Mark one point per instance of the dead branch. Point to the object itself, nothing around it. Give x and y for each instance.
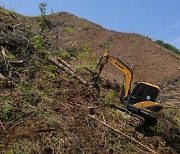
(6, 80)
(121, 133)
(16, 62)
(3, 127)
(88, 70)
(17, 25)
(12, 16)
(45, 36)
(2, 77)
(66, 64)
(68, 71)
(45, 130)
(3, 51)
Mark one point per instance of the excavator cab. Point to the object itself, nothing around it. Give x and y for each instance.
(142, 100)
(143, 92)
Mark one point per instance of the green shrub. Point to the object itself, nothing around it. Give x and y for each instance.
(51, 71)
(85, 59)
(69, 29)
(50, 75)
(6, 113)
(86, 27)
(109, 96)
(10, 56)
(39, 42)
(159, 130)
(52, 68)
(76, 52)
(4, 10)
(84, 48)
(64, 54)
(8, 151)
(42, 23)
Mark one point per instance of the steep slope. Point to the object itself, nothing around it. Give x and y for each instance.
(44, 110)
(149, 61)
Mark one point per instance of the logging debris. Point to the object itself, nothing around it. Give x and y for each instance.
(68, 69)
(121, 133)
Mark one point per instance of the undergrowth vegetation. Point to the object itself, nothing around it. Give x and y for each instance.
(39, 42)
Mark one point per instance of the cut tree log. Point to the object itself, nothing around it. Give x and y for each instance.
(121, 133)
(66, 64)
(68, 71)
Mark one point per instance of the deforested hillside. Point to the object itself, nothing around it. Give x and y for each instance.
(149, 61)
(45, 108)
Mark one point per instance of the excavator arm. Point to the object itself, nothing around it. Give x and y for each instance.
(107, 57)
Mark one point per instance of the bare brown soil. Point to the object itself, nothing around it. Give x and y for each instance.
(149, 61)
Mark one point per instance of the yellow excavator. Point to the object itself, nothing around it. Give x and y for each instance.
(140, 101)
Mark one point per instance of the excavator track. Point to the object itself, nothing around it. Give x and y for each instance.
(135, 120)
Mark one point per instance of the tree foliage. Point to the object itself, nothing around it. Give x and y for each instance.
(41, 19)
(42, 8)
(39, 42)
(168, 46)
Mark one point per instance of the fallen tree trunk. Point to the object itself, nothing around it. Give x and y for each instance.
(67, 70)
(66, 64)
(121, 133)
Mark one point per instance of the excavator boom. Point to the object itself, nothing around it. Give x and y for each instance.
(127, 72)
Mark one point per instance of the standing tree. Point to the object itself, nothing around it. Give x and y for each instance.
(42, 8)
(42, 23)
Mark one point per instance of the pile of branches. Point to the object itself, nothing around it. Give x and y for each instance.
(15, 44)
